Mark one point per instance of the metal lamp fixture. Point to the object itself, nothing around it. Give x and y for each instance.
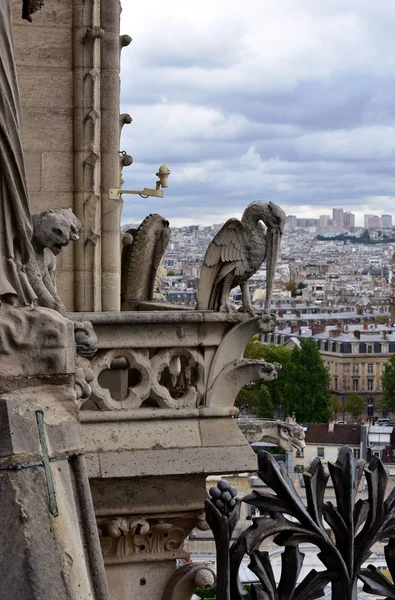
(163, 175)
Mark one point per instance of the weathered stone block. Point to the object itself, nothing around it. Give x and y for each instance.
(49, 88)
(40, 201)
(18, 421)
(142, 495)
(173, 462)
(220, 432)
(57, 172)
(33, 342)
(32, 568)
(127, 435)
(47, 130)
(143, 581)
(43, 46)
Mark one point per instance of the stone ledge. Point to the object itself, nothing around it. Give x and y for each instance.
(149, 463)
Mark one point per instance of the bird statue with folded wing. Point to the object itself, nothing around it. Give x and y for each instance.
(236, 252)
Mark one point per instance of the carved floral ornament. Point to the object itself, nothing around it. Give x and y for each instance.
(356, 526)
(124, 538)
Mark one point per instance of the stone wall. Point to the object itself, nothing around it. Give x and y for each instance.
(44, 55)
(68, 67)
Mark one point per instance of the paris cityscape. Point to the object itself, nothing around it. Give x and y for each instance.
(197, 300)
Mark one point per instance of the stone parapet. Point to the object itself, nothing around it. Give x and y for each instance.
(159, 421)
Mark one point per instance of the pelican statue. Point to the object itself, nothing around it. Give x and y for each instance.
(236, 252)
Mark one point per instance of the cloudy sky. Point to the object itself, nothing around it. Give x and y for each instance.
(285, 100)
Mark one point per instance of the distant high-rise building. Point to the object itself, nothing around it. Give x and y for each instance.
(386, 221)
(372, 222)
(324, 221)
(291, 220)
(349, 219)
(338, 217)
(310, 222)
(301, 222)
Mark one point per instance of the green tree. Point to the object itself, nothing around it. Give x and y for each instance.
(308, 384)
(170, 273)
(248, 398)
(388, 385)
(292, 287)
(355, 404)
(265, 405)
(273, 354)
(336, 405)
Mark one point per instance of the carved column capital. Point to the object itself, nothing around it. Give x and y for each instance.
(134, 538)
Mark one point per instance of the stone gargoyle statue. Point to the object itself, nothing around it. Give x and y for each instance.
(142, 258)
(286, 435)
(236, 252)
(52, 230)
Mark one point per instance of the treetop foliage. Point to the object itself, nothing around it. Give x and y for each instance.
(388, 385)
(302, 386)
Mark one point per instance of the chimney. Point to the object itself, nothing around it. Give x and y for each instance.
(365, 325)
(331, 426)
(384, 334)
(334, 333)
(357, 334)
(317, 328)
(294, 328)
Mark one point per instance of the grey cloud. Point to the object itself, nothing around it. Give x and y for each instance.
(293, 102)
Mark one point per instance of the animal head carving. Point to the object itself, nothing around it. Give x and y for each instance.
(292, 435)
(286, 435)
(55, 228)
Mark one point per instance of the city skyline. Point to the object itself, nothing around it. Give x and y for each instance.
(341, 218)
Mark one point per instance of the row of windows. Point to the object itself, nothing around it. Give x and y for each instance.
(355, 384)
(355, 367)
(321, 452)
(336, 347)
(332, 346)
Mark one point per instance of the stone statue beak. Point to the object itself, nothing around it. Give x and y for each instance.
(273, 241)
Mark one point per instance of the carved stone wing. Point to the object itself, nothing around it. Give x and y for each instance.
(229, 245)
(227, 253)
(141, 259)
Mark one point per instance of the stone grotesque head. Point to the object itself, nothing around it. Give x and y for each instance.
(291, 435)
(55, 229)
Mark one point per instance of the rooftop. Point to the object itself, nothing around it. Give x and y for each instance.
(319, 433)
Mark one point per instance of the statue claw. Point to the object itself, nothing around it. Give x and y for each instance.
(249, 310)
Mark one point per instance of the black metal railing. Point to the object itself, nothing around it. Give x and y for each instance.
(354, 527)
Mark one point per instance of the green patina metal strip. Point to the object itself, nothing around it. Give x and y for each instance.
(53, 507)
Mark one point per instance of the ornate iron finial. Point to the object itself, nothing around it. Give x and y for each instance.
(222, 514)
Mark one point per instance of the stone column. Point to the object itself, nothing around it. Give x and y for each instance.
(87, 40)
(110, 164)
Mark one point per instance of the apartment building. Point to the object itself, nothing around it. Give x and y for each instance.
(354, 355)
